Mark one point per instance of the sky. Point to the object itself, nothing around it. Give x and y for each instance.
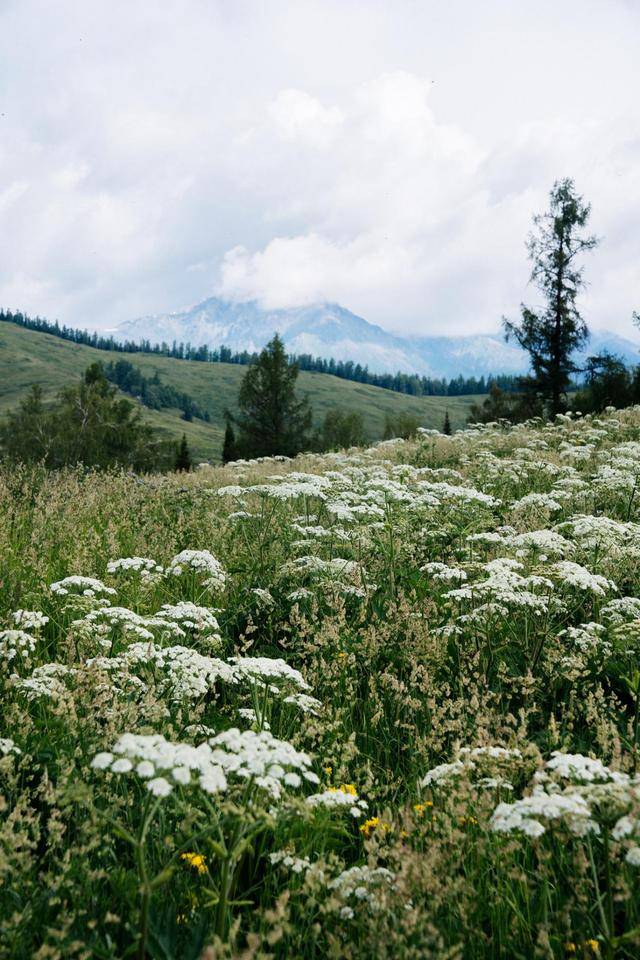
(384, 154)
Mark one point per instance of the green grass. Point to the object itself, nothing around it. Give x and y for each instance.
(28, 357)
(454, 635)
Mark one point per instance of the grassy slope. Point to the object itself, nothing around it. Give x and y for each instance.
(28, 357)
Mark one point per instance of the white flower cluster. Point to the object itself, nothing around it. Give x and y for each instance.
(476, 762)
(504, 585)
(361, 885)
(16, 644)
(298, 865)
(577, 768)
(200, 562)
(85, 586)
(305, 703)
(531, 814)
(189, 674)
(44, 681)
(268, 670)
(148, 569)
(338, 797)
(29, 619)
(546, 542)
(443, 572)
(233, 755)
(536, 503)
(569, 790)
(8, 747)
(200, 620)
(579, 578)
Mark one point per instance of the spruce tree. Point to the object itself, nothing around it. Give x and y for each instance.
(183, 462)
(272, 420)
(552, 334)
(446, 427)
(229, 451)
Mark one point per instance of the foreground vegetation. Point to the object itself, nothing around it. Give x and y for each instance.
(381, 703)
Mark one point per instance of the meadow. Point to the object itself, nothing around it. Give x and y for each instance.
(28, 357)
(382, 703)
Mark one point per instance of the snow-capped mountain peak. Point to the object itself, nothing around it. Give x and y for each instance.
(329, 330)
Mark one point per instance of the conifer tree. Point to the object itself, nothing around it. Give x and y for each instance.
(229, 450)
(272, 420)
(183, 462)
(446, 427)
(552, 334)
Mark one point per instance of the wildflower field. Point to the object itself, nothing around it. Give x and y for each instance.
(378, 704)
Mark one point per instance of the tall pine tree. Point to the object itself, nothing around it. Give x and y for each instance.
(551, 335)
(183, 462)
(272, 420)
(229, 449)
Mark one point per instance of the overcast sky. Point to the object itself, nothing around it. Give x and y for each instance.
(386, 154)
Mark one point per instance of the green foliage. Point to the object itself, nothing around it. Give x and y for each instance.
(229, 447)
(608, 382)
(151, 391)
(514, 407)
(551, 335)
(272, 419)
(341, 429)
(28, 357)
(406, 383)
(404, 425)
(446, 629)
(87, 424)
(183, 456)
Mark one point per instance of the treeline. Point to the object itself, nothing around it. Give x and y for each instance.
(408, 383)
(151, 391)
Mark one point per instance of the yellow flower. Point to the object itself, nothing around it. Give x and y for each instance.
(349, 788)
(593, 945)
(346, 788)
(195, 860)
(464, 821)
(369, 826)
(570, 947)
(372, 824)
(341, 654)
(420, 808)
(328, 771)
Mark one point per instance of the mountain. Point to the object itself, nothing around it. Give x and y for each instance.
(329, 330)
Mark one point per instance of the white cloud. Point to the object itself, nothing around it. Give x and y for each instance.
(388, 156)
(298, 116)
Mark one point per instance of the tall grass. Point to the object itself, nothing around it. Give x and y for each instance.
(385, 705)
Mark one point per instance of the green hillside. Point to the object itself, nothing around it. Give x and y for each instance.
(28, 357)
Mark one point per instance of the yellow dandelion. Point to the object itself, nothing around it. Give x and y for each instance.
(195, 860)
(369, 826)
(593, 945)
(349, 788)
(328, 771)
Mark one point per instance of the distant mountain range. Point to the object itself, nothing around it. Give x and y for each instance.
(329, 330)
